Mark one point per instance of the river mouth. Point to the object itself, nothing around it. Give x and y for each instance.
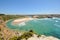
(43, 26)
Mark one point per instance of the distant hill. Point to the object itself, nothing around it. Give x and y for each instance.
(2, 14)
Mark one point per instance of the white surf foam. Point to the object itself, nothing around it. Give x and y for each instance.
(22, 24)
(43, 19)
(56, 21)
(55, 18)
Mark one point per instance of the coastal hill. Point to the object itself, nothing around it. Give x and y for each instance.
(36, 15)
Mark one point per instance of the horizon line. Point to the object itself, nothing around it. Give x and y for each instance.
(31, 14)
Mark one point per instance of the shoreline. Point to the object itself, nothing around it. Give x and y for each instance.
(18, 31)
(17, 21)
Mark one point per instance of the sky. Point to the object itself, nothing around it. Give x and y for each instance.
(30, 6)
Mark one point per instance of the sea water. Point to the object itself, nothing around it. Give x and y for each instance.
(44, 26)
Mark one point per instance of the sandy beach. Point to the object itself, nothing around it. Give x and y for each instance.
(17, 21)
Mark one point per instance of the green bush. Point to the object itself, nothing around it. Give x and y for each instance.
(26, 35)
(14, 38)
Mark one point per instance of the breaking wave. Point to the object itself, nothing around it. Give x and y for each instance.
(57, 21)
(22, 24)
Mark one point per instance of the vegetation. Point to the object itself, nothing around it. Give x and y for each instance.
(0, 29)
(1, 37)
(2, 14)
(7, 17)
(13, 38)
(26, 35)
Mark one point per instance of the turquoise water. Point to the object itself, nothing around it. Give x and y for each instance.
(45, 26)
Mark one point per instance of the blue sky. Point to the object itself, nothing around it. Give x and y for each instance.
(30, 6)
